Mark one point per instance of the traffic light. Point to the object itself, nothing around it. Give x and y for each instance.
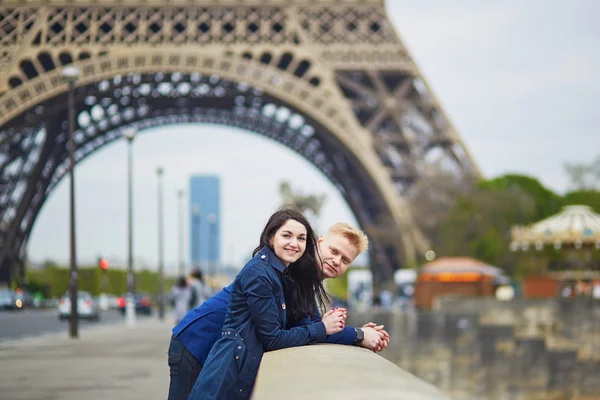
(103, 264)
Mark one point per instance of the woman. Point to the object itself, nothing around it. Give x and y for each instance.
(286, 258)
(180, 298)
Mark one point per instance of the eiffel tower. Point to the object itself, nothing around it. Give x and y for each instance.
(330, 79)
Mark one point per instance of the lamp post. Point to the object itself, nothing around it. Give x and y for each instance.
(129, 134)
(197, 220)
(180, 207)
(161, 261)
(70, 74)
(212, 221)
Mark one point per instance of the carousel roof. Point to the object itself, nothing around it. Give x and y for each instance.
(575, 225)
(460, 264)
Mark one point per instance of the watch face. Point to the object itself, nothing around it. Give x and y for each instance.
(360, 334)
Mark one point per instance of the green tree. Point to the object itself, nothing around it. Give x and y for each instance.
(546, 201)
(584, 197)
(479, 224)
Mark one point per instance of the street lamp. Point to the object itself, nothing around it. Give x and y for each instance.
(180, 209)
(197, 220)
(212, 221)
(161, 262)
(129, 134)
(70, 74)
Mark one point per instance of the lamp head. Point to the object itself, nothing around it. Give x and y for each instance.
(196, 209)
(129, 133)
(70, 73)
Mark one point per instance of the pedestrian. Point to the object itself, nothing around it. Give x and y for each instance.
(199, 289)
(180, 299)
(195, 335)
(257, 312)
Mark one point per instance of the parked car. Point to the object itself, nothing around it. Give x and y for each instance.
(27, 300)
(87, 308)
(9, 300)
(108, 301)
(143, 304)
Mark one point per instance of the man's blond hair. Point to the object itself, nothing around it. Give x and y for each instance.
(356, 237)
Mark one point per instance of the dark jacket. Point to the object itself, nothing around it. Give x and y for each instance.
(255, 319)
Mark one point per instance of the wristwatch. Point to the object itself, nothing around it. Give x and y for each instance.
(360, 336)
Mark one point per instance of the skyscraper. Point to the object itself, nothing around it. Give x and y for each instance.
(205, 220)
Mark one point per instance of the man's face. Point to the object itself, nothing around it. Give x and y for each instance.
(337, 253)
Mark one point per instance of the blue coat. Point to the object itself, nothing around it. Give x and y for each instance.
(201, 327)
(255, 321)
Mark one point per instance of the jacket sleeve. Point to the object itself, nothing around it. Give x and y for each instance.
(264, 312)
(345, 336)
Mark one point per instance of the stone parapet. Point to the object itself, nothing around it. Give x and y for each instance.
(337, 372)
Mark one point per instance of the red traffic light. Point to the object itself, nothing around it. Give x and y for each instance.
(104, 264)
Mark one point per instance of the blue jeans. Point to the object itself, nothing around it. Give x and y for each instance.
(184, 370)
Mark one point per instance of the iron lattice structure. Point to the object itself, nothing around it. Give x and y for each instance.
(330, 79)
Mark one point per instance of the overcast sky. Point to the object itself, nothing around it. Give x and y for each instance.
(519, 80)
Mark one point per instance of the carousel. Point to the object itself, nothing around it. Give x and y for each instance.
(573, 238)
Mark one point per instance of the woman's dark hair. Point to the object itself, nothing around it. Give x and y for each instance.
(309, 292)
(181, 282)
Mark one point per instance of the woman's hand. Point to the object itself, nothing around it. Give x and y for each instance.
(334, 321)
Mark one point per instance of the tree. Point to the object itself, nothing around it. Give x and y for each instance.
(434, 196)
(303, 203)
(584, 197)
(479, 223)
(545, 200)
(584, 176)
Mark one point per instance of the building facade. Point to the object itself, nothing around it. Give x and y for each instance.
(205, 222)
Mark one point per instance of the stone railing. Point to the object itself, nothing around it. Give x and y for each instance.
(336, 372)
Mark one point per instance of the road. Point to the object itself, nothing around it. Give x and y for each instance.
(28, 323)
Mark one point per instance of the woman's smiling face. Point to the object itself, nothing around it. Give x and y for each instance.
(289, 242)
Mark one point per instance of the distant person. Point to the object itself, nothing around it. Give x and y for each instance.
(386, 298)
(181, 295)
(596, 291)
(200, 292)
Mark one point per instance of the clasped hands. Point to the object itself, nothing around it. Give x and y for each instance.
(375, 337)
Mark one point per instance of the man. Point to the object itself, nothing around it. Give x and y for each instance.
(194, 336)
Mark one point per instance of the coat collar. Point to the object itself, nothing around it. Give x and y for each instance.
(267, 254)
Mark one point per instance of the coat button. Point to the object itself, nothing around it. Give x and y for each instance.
(239, 347)
(263, 257)
(236, 357)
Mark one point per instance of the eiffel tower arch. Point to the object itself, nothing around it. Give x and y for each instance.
(329, 79)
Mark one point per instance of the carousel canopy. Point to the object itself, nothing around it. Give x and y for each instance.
(457, 268)
(574, 225)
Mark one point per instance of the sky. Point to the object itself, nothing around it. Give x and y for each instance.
(518, 80)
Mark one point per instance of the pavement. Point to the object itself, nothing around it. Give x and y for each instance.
(116, 361)
(106, 362)
(34, 322)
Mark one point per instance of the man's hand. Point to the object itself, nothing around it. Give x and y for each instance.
(373, 339)
(385, 337)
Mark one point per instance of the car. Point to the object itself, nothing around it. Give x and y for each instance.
(9, 300)
(143, 303)
(27, 300)
(87, 308)
(108, 301)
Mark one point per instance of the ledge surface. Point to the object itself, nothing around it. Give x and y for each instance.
(336, 372)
